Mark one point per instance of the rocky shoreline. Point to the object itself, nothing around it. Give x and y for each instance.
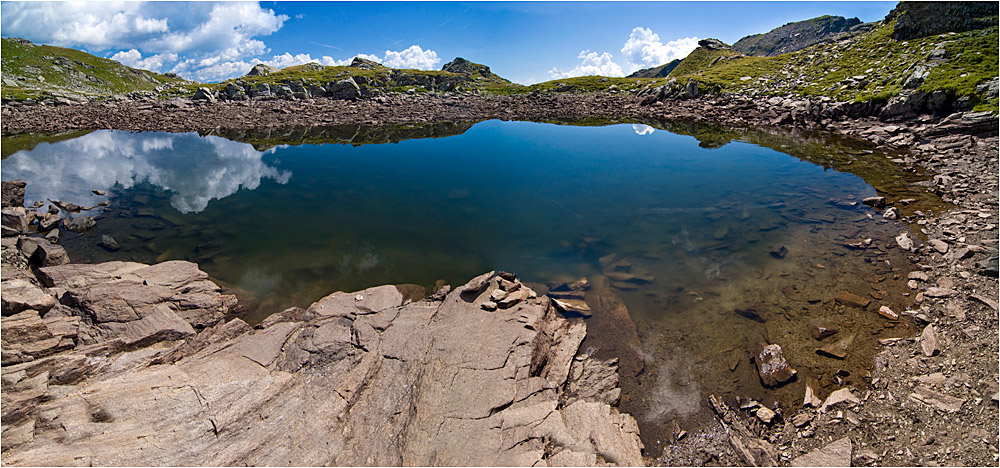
(933, 398)
(102, 365)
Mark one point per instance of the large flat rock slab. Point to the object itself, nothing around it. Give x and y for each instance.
(362, 378)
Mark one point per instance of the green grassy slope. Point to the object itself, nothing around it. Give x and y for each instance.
(28, 71)
(869, 66)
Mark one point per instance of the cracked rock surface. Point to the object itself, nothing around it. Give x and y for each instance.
(364, 378)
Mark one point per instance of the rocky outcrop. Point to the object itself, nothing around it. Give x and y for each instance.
(363, 378)
(796, 36)
(364, 64)
(921, 19)
(656, 72)
(261, 70)
(13, 193)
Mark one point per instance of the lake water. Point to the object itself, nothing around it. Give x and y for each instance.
(283, 221)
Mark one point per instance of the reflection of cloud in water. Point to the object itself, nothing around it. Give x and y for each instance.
(195, 169)
(641, 129)
(360, 262)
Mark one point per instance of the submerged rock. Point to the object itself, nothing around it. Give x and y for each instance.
(772, 367)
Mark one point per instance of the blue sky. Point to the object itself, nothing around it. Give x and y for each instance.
(523, 41)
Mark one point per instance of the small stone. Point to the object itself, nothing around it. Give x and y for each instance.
(929, 343)
(573, 306)
(489, 305)
(801, 419)
(939, 245)
(772, 367)
(842, 395)
(477, 284)
(891, 214)
(874, 202)
(765, 414)
(938, 292)
(497, 295)
(109, 243)
(904, 242)
(49, 222)
(917, 275)
(820, 331)
(98, 192)
(839, 348)
(836, 454)
(779, 251)
(888, 313)
(513, 298)
(811, 399)
(851, 300)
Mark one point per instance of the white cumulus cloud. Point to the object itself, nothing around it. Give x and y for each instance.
(591, 63)
(644, 49)
(641, 129)
(133, 58)
(412, 57)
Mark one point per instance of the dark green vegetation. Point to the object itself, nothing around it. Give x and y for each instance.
(33, 71)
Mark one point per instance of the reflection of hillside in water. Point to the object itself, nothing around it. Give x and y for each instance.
(69, 170)
(356, 135)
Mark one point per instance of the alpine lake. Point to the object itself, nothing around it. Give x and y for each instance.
(699, 243)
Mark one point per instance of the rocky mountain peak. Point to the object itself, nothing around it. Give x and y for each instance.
(713, 44)
(364, 64)
(261, 70)
(465, 67)
(796, 36)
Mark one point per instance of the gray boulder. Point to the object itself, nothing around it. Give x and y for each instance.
(364, 64)
(261, 70)
(346, 89)
(12, 193)
(204, 94)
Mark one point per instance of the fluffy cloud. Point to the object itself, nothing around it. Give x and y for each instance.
(644, 49)
(133, 58)
(591, 63)
(205, 41)
(412, 57)
(641, 129)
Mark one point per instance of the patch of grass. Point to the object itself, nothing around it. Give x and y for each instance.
(870, 66)
(28, 141)
(31, 70)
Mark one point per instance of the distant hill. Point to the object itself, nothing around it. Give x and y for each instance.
(795, 36)
(472, 69)
(656, 72)
(29, 70)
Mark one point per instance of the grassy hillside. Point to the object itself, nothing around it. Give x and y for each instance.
(869, 66)
(30, 71)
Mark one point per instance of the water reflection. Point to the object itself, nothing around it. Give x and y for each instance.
(641, 129)
(193, 169)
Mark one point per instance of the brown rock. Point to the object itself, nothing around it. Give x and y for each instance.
(929, 343)
(12, 193)
(772, 367)
(839, 348)
(835, 454)
(851, 300)
(20, 294)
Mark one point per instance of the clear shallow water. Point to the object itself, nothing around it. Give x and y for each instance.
(287, 225)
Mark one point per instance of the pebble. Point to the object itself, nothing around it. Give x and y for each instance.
(929, 343)
(765, 414)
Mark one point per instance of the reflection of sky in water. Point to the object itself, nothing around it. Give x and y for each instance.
(194, 169)
(641, 129)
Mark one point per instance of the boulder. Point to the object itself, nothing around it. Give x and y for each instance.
(204, 94)
(47, 254)
(261, 70)
(12, 193)
(851, 300)
(79, 224)
(364, 64)
(19, 295)
(15, 219)
(346, 89)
